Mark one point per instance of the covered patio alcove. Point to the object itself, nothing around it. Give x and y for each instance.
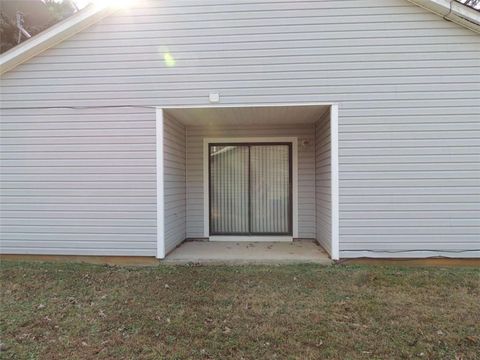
(247, 182)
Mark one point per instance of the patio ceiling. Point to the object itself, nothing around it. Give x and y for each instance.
(249, 116)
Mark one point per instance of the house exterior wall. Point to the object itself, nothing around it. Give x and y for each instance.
(306, 173)
(78, 182)
(174, 179)
(405, 81)
(323, 187)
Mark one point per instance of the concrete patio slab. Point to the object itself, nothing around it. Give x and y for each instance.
(230, 252)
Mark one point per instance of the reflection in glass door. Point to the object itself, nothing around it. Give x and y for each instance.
(250, 189)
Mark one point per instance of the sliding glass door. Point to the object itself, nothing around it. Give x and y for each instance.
(250, 189)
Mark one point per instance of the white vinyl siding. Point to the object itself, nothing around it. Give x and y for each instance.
(411, 188)
(174, 160)
(78, 182)
(406, 82)
(306, 173)
(323, 190)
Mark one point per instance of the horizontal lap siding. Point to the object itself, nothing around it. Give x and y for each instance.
(306, 173)
(174, 177)
(410, 185)
(64, 190)
(406, 82)
(323, 188)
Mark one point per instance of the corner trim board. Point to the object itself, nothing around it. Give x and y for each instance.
(160, 191)
(335, 187)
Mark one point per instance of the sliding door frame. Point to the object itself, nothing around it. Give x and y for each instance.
(289, 231)
(292, 141)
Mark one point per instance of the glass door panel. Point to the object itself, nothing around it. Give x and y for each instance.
(270, 189)
(229, 190)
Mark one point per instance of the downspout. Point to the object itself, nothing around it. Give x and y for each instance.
(445, 17)
(451, 10)
(458, 16)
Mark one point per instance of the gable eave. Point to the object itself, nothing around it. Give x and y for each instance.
(52, 36)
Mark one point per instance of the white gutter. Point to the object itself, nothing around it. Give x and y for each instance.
(52, 36)
(453, 11)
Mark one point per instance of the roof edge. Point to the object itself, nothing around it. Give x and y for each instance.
(52, 36)
(453, 11)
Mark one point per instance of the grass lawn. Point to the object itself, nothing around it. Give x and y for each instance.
(76, 311)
